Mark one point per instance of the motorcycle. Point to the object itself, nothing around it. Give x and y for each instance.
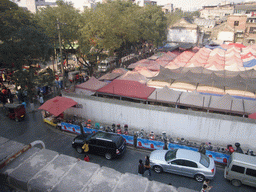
(118, 129)
(126, 129)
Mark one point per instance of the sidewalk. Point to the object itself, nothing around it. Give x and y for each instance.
(46, 170)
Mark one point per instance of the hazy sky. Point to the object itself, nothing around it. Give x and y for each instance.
(184, 4)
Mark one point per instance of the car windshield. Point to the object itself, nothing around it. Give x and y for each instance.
(205, 161)
(170, 155)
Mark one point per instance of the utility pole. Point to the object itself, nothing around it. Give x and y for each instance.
(61, 57)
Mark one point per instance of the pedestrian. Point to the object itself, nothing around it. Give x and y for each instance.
(41, 99)
(147, 165)
(204, 188)
(86, 158)
(202, 149)
(207, 182)
(86, 147)
(10, 96)
(140, 168)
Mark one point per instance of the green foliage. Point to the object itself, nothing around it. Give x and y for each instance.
(45, 78)
(22, 40)
(115, 26)
(26, 80)
(178, 14)
(153, 25)
(68, 19)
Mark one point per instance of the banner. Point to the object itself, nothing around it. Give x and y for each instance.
(70, 128)
(149, 144)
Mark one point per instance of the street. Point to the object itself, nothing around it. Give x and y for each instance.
(33, 128)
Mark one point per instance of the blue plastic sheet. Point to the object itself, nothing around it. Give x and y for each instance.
(250, 63)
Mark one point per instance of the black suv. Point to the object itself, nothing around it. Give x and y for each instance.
(108, 144)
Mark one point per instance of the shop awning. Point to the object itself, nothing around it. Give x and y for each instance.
(57, 105)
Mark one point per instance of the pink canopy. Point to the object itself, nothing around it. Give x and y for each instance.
(125, 88)
(92, 84)
(57, 105)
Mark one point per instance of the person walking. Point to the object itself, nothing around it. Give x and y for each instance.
(41, 99)
(140, 168)
(147, 165)
(86, 147)
(204, 188)
(202, 148)
(207, 182)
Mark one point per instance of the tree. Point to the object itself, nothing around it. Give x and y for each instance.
(153, 25)
(116, 26)
(178, 14)
(22, 40)
(68, 19)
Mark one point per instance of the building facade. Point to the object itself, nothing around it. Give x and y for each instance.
(184, 31)
(33, 5)
(218, 12)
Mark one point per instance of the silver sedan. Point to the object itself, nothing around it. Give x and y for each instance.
(183, 162)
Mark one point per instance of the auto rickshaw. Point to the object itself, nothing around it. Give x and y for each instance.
(15, 111)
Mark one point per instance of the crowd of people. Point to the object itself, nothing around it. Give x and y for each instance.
(5, 94)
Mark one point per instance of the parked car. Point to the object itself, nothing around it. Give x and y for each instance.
(241, 169)
(183, 162)
(109, 145)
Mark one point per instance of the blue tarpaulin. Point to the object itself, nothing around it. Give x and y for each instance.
(214, 47)
(250, 63)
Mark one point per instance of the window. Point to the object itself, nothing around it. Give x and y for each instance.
(205, 161)
(178, 162)
(251, 172)
(237, 169)
(252, 30)
(251, 41)
(190, 164)
(170, 155)
(236, 23)
(101, 143)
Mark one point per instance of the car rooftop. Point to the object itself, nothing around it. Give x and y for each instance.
(188, 154)
(245, 159)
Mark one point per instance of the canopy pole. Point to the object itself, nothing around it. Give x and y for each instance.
(209, 104)
(243, 107)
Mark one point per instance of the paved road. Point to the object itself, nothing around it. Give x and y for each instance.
(33, 128)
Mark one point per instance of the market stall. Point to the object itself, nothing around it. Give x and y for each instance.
(54, 108)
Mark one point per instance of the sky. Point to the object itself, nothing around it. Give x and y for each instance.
(186, 5)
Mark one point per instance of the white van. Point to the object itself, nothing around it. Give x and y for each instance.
(107, 64)
(241, 169)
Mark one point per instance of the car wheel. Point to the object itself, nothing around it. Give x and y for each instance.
(236, 183)
(199, 178)
(108, 156)
(79, 149)
(158, 169)
(16, 119)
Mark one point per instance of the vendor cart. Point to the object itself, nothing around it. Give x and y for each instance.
(15, 111)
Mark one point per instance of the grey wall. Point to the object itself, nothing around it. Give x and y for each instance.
(197, 126)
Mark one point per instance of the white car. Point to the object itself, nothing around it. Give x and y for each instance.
(183, 162)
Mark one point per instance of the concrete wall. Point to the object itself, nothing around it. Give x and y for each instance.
(182, 35)
(198, 126)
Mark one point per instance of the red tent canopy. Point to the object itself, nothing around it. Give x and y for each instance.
(252, 116)
(57, 105)
(127, 88)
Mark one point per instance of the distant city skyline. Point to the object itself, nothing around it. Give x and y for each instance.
(187, 5)
(192, 5)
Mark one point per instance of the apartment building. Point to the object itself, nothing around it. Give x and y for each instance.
(33, 5)
(217, 12)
